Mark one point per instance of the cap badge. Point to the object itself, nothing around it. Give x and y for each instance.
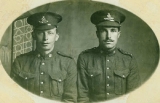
(43, 20)
(109, 17)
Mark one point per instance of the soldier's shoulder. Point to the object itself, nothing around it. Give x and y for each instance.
(125, 52)
(25, 55)
(89, 50)
(64, 55)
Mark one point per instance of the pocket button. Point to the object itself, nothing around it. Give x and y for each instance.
(59, 80)
(50, 55)
(108, 77)
(26, 78)
(43, 63)
(41, 91)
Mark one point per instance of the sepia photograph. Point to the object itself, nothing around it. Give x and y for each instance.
(79, 51)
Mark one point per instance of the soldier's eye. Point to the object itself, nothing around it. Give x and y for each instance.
(113, 30)
(50, 32)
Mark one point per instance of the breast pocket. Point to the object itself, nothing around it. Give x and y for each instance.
(27, 80)
(57, 83)
(94, 79)
(120, 80)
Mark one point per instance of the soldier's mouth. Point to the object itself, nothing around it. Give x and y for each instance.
(45, 43)
(108, 41)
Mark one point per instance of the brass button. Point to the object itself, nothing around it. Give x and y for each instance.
(41, 91)
(38, 55)
(107, 85)
(107, 60)
(41, 82)
(59, 80)
(91, 75)
(107, 68)
(107, 93)
(43, 63)
(50, 55)
(108, 77)
(123, 76)
(42, 73)
(26, 78)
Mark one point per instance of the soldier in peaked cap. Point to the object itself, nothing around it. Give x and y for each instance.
(106, 71)
(45, 71)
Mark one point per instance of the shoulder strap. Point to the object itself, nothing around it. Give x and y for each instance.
(124, 52)
(64, 55)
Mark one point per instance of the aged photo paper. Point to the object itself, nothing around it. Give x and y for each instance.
(10, 92)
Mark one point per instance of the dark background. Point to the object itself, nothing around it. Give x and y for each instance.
(77, 33)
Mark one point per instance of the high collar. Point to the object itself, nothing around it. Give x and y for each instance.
(49, 55)
(108, 53)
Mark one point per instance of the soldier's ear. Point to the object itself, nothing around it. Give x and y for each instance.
(57, 34)
(119, 33)
(57, 37)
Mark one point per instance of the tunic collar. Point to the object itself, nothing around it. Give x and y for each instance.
(49, 55)
(108, 53)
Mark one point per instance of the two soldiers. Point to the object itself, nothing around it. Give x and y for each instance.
(104, 72)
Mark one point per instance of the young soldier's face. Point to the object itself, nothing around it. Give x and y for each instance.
(108, 37)
(45, 39)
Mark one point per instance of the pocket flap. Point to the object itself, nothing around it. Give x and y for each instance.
(122, 73)
(26, 75)
(93, 73)
(58, 76)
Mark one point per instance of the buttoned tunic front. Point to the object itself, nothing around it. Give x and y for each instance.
(103, 76)
(51, 76)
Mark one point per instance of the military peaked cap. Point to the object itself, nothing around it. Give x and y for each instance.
(44, 20)
(107, 18)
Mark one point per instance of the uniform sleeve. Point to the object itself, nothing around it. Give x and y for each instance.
(70, 85)
(133, 80)
(83, 90)
(15, 71)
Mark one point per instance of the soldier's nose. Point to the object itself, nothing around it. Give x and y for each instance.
(45, 36)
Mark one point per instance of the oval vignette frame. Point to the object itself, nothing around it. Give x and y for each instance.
(136, 36)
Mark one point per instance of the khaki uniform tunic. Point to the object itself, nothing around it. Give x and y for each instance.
(51, 76)
(103, 76)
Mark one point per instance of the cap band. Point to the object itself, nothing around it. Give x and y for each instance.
(107, 18)
(44, 20)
